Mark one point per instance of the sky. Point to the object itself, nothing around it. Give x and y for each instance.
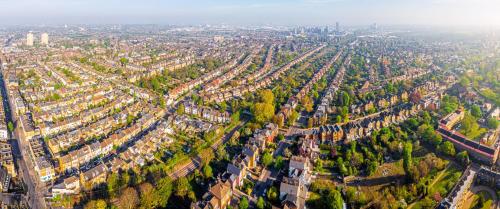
(252, 12)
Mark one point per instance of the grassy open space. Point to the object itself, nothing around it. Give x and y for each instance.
(441, 183)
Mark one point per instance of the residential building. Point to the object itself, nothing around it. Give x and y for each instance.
(29, 39)
(44, 39)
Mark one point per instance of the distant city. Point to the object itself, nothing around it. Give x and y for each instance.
(219, 116)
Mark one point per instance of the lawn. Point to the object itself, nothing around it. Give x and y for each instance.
(442, 182)
(388, 169)
(446, 181)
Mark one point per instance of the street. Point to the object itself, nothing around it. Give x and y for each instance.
(34, 194)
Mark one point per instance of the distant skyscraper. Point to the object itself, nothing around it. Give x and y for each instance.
(29, 39)
(337, 26)
(44, 39)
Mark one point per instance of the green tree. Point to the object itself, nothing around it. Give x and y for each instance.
(464, 81)
(182, 187)
(113, 184)
(345, 99)
(476, 111)
(96, 204)
(10, 126)
(448, 148)
(243, 203)
(272, 194)
(147, 194)
(492, 123)
(470, 127)
(223, 106)
(372, 167)
(436, 139)
(342, 168)
(463, 157)
(180, 109)
(263, 112)
(261, 203)
(267, 159)
(266, 96)
(278, 163)
(161, 194)
(333, 200)
(161, 102)
(207, 171)
(307, 103)
(124, 61)
(130, 119)
(125, 179)
(293, 117)
(407, 159)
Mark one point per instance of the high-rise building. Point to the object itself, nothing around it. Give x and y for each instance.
(44, 39)
(29, 39)
(337, 26)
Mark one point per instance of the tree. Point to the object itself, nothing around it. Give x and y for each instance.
(161, 102)
(464, 81)
(470, 127)
(476, 111)
(310, 122)
(338, 119)
(447, 148)
(161, 194)
(223, 106)
(243, 203)
(492, 123)
(10, 126)
(463, 157)
(221, 152)
(342, 168)
(129, 198)
(293, 117)
(278, 163)
(123, 61)
(182, 187)
(372, 167)
(333, 199)
(261, 203)
(96, 204)
(307, 103)
(130, 119)
(267, 159)
(266, 96)
(207, 171)
(436, 139)
(407, 159)
(345, 99)
(147, 193)
(113, 184)
(181, 109)
(272, 194)
(263, 112)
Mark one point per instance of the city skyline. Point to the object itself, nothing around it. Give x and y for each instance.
(279, 12)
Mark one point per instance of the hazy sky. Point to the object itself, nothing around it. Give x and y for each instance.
(252, 12)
